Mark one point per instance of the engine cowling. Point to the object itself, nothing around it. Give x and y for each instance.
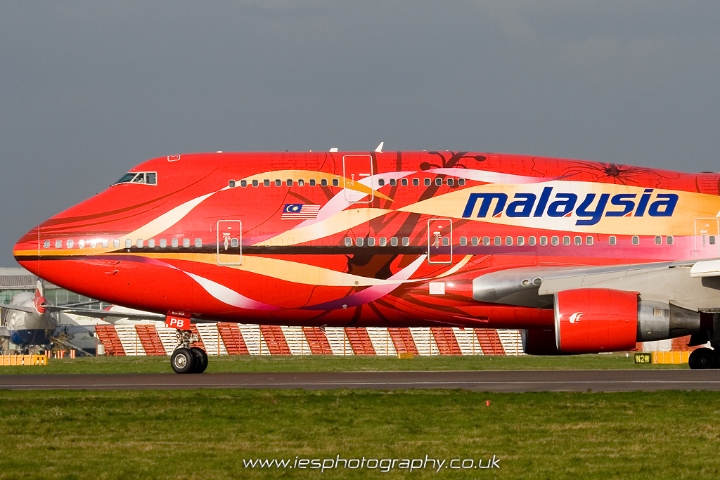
(592, 320)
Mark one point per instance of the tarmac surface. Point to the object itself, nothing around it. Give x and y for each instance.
(486, 381)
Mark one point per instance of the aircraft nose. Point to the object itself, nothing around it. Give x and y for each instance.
(26, 250)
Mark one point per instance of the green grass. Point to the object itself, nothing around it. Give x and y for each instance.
(205, 434)
(334, 363)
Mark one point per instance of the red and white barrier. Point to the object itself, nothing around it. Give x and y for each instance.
(243, 339)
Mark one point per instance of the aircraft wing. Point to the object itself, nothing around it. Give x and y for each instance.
(694, 285)
(19, 308)
(88, 312)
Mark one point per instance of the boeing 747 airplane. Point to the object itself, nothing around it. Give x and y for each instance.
(583, 257)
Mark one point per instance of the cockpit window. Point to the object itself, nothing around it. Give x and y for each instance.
(148, 178)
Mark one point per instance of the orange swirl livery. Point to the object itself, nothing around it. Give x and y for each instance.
(583, 256)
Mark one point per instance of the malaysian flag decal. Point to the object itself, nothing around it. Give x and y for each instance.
(299, 211)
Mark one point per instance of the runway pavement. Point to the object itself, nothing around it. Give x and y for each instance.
(487, 381)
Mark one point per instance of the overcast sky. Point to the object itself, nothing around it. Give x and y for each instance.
(89, 89)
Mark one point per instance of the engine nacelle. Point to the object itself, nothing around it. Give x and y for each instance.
(592, 320)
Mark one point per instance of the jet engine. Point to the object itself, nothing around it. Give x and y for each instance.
(594, 320)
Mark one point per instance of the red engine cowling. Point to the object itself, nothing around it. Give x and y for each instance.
(595, 320)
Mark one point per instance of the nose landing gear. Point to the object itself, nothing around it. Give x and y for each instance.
(187, 359)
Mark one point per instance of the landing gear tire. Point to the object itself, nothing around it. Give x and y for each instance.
(183, 360)
(201, 359)
(703, 358)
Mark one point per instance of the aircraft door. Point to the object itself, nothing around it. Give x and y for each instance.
(439, 235)
(707, 237)
(355, 169)
(229, 242)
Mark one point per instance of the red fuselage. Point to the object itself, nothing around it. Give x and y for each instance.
(362, 239)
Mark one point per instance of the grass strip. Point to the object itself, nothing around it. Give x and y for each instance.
(330, 363)
(207, 434)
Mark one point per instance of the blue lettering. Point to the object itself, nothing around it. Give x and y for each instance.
(561, 208)
(666, 200)
(619, 200)
(521, 207)
(544, 197)
(642, 204)
(487, 199)
(595, 215)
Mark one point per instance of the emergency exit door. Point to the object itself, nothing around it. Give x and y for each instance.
(439, 237)
(356, 169)
(706, 237)
(229, 242)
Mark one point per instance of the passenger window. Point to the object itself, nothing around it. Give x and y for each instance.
(151, 243)
(416, 182)
(531, 241)
(555, 241)
(70, 244)
(46, 244)
(186, 242)
(578, 241)
(475, 241)
(461, 181)
(393, 182)
(438, 181)
(405, 241)
(278, 182)
(243, 183)
(497, 241)
(612, 240)
(371, 241)
(93, 243)
(234, 242)
(255, 183)
(139, 243)
(463, 241)
(543, 241)
(266, 183)
(174, 243)
(163, 243)
(348, 242)
(359, 241)
(231, 184)
(521, 241)
(198, 242)
(81, 243)
(588, 240)
(446, 241)
(393, 242)
(404, 182)
(566, 240)
(323, 182)
(508, 241)
(312, 182)
(427, 182)
(301, 183)
(335, 182)
(486, 241)
(58, 243)
(635, 240)
(383, 241)
(116, 243)
(381, 182)
(658, 240)
(289, 182)
(450, 182)
(105, 243)
(712, 239)
(669, 240)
